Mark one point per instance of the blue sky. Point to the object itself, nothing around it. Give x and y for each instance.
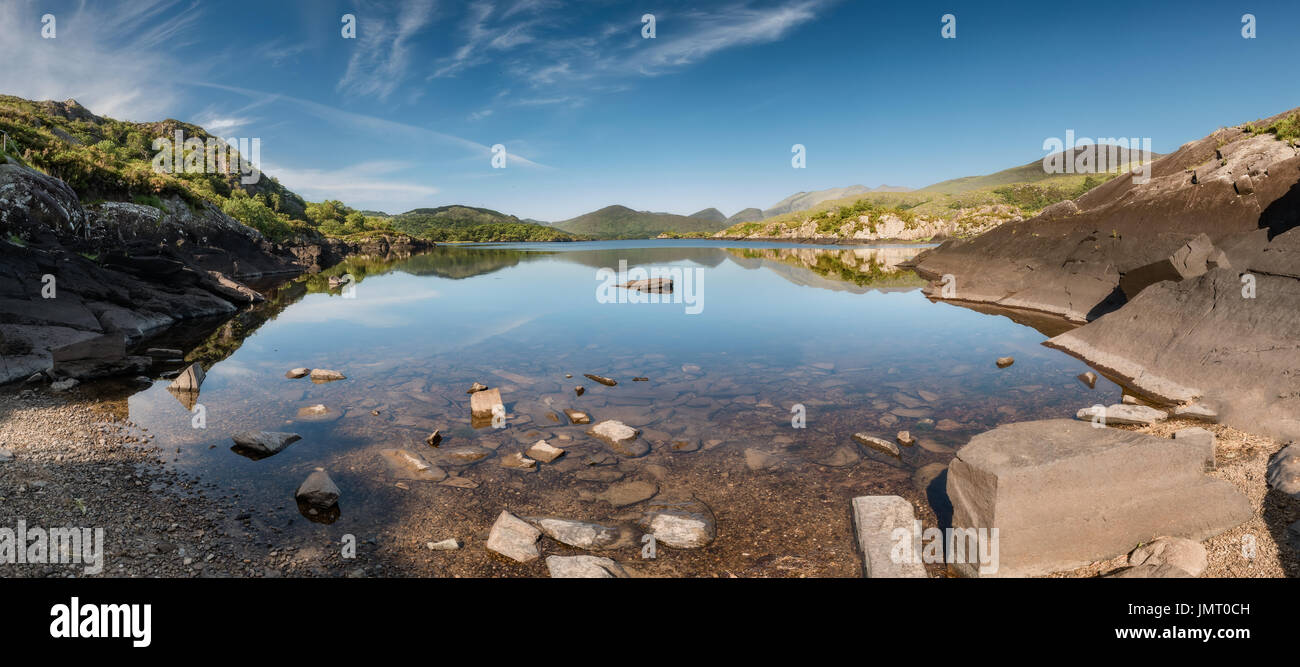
(705, 114)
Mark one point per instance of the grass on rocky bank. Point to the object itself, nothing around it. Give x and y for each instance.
(103, 159)
(1028, 198)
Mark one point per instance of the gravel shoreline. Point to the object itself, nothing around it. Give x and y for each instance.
(78, 461)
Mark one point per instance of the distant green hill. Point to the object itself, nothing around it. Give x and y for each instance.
(466, 223)
(621, 222)
(709, 214)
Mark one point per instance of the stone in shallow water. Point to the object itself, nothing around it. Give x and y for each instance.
(583, 567)
(404, 464)
(518, 461)
(608, 382)
(514, 538)
(1063, 494)
(483, 404)
(1121, 414)
(296, 373)
(318, 490)
(875, 518)
(905, 438)
(621, 438)
(476, 387)
(682, 524)
(628, 493)
(684, 445)
(326, 375)
(758, 460)
(543, 451)
(1089, 378)
(840, 457)
(190, 379)
(263, 443)
(1003, 362)
(463, 456)
(577, 416)
(878, 444)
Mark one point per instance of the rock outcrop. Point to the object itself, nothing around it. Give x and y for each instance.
(1189, 283)
(72, 272)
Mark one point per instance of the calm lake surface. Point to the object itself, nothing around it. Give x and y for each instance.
(840, 331)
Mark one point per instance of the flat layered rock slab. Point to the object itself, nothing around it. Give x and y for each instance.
(1063, 493)
(514, 538)
(875, 518)
(585, 534)
(408, 465)
(620, 438)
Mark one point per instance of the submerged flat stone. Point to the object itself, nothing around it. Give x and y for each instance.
(878, 444)
(404, 464)
(621, 438)
(681, 524)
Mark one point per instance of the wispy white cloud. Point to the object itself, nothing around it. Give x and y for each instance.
(116, 63)
(357, 121)
(367, 181)
(565, 69)
(383, 50)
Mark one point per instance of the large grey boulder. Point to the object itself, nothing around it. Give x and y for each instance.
(875, 520)
(1062, 494)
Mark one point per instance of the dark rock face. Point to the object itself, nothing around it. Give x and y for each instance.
(1189, 284)
(1203, 340)
(1071, 264)
(115, 272)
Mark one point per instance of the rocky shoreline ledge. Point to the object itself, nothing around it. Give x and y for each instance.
(1187, 287)
(82, 285)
